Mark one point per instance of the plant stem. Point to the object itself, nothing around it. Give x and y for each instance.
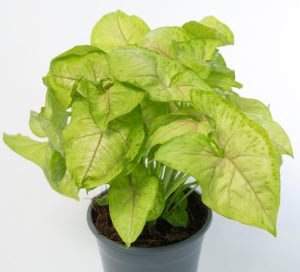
(152, 167)
(172, 198)
(177, 182)
(184, 197)
(159, 169)
(169, 173)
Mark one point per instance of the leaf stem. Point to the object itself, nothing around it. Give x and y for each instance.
(180, 179)
(184, 197)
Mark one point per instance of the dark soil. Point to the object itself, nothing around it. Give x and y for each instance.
(162, 233)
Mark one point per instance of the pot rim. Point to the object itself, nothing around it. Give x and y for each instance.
(133, 249)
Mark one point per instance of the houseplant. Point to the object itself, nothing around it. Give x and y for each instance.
(145, 110)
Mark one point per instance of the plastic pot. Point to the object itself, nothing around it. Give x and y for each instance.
(179, 257)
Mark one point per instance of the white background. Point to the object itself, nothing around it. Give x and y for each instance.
(43, 231)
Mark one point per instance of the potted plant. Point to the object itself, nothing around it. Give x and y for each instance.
(154, 115)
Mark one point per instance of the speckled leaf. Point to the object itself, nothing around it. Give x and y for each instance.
(95, 157)
(162, 78)
(239, 175)
(70, 66)
(131, 198)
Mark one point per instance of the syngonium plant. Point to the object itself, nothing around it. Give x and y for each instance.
(153, 114)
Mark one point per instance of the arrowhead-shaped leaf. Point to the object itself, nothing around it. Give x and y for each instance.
(117, 29)
(239, 177)
(94, 157)
(131, 198)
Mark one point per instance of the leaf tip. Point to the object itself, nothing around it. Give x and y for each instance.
(5, 138)
(273, 231)
(128, 244)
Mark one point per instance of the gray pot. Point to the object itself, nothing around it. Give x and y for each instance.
(179, 257)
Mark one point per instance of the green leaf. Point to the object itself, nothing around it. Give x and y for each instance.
(162, 78)
(163, 40)
(67, 68)
(67, 187)
(218, 65)
(50, 122)
(57, 175)
(221, 77)
(132, 164)
(55, 137)
(57, 167)
(159, 203)
(178, 216)
(54, 112)
(278, 137)
(35, 125)
(201, 31)
(152, 110)
(241, 182)
(106, 105)
(118, 29)
(29, 149)
(253, 108)
(221, 81)
(226, 34)
(260, 113)
(51, 162)
(135, 140)
(173, 125)
(195, 55)
(131, 198)
(103, 201)
(95, 157)
(189, 153)
(210, 28)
